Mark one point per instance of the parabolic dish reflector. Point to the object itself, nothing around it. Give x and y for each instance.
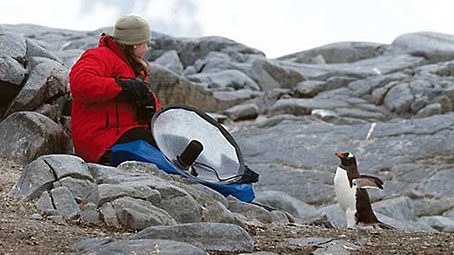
(174, 127)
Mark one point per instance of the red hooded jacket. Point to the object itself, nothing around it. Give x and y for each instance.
(97, 118)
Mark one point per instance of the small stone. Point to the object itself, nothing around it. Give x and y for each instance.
(58, 219)
(36, 216)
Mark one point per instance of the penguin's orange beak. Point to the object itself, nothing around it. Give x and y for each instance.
(340, 155)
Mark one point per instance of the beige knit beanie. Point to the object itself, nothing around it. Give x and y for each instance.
(131, 30)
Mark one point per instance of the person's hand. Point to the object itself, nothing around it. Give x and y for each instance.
(136, 92)
(133, 90)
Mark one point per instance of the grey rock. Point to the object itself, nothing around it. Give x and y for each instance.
(439, 223)
(54, 39)
(220, 61)
(309, 241)
(28, 135)
(303, 106)
(13, 45)
(215, 211)
(309, 88)
(171, 61)
(311, 145)
(209, 236)
(449, 213)
(399, 98)
(47, 79)
(224, 80)
(325, 115)
(364, 87)
(11, 71)
(110, 175)
(436, 47)
(449, 92)
(228, 99)
(97, 170)
(171, 88)
(44, 204)
(64, 202)
(340, 52)
(252, 212)
(270, 75)
(335, 215)
(433, 206)
(89, 214)
(411, 225)
(58, 219)
(108, 215)
(280, 217)
(337, 82)
(440, 184)
(91, 244)
(401, 208)
(110, 192)
(69, 57)
(317, 186)
(271, 121)
(36, 50)
(50, 111)
(378, 95)
(67, 165)
(84, 191)
(380, 65)
(360, 114)
(339, 247)
(282, 200)
(36, 216)
(37, 177)
(243, 112)
(192, 49)
(190, 70)
(259, 253)
(179, 204)
(429, 110)
(138, 214)
(143, 167)
(202, 194)
(144, 247)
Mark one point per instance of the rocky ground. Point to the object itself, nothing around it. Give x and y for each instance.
(21, 233)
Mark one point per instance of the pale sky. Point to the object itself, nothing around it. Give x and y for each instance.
(276, 27)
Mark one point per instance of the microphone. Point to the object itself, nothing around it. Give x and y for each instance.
(188, 156)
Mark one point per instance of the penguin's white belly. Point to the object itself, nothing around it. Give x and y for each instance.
(345, 195)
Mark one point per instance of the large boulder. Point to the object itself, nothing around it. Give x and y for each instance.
(436, 47)
(28, 135)
(174, 89)
(46, 81)
(341, 52)
(138, 247)
(209, 236)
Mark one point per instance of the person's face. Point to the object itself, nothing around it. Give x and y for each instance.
(140, 49)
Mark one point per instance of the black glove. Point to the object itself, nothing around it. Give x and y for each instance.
(136, 92)
(133, 90)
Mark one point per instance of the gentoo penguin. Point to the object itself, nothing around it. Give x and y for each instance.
(351, 194)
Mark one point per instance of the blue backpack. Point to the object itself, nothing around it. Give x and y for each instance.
(140, 150)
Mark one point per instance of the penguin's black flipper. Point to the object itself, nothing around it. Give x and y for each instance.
(367, 181)
(376, 179)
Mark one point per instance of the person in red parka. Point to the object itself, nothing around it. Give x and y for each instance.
(112, 102)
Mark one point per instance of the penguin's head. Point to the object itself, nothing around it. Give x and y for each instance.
(347, 159)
